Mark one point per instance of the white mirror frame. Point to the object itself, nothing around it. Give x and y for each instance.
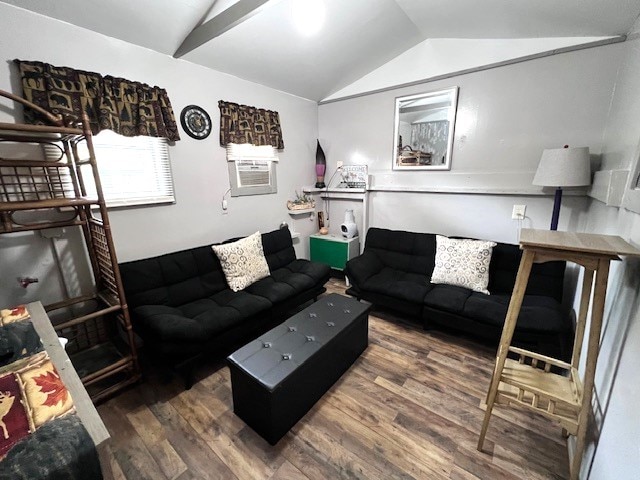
(397, 162)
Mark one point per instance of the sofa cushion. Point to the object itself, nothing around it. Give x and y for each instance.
(405, 251)
(173, 279)
(411, 287)
(164, 323)
(538, 313)
(200, 319)
(278, 248)
(360, 268)
(463, 262)
(243, 261)
(449, 298)
(546, 279)
(284, 283)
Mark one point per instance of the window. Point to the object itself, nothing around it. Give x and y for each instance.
(133, 170)
(252, 169)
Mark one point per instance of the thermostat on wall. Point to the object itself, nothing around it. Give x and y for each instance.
(355, 176)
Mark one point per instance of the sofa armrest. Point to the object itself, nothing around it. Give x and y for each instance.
(360, 268)
(166, 323)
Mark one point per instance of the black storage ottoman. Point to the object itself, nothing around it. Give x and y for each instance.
(278, 377)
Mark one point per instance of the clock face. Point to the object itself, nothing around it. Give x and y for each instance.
(196, 122)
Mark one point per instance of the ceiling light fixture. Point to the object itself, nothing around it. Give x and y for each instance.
(308, 16)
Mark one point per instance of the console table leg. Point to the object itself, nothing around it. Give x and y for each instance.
(593, 347)
(507, 334)
(585, 299)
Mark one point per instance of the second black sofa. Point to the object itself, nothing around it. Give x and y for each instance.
(395, 272)
(182, 306)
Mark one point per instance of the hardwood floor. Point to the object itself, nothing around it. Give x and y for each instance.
(408, 408)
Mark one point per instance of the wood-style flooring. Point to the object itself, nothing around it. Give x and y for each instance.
(408, 408)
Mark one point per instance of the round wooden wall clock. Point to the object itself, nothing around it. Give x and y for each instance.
(196, 122)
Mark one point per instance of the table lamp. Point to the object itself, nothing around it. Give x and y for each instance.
(563, 167)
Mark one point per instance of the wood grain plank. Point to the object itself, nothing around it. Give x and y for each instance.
(480, 466)
(129, 451)
(354, 443)
(305, 457)
(288, 472)
(348, 464)
(409, 458)
(193, 450)
(114, 466)
(153, 435)
(230, 449)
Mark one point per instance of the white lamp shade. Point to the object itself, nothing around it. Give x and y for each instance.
(564, 167)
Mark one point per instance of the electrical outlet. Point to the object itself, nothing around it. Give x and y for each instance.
(518, 212)
(339, 163)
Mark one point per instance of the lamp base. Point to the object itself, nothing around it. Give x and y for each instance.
(556, 209)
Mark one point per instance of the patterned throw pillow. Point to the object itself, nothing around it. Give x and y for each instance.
(46, 396)
(11, 315)
(14, 422)
(243, 262)
(463, 262)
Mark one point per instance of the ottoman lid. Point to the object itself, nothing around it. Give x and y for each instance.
(272, 357)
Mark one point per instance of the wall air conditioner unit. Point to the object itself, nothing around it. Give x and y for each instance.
(253, 173)
(251, 169)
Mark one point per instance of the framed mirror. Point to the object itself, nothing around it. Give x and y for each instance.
(424, 126)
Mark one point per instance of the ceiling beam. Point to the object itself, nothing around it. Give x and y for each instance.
(223, 22)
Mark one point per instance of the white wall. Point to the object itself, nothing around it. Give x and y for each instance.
(506, 117)
(615, 451)
(199, 167)
(436, 57)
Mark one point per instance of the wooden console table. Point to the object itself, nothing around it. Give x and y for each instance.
(547, 385)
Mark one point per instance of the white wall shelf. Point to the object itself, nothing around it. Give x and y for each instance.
(305, 211)
(313, 190)
(519, 191)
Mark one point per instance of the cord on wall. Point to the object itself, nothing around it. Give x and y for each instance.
(225, 203)
(519, 214)
(326, 189)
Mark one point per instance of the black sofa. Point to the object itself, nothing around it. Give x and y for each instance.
(182, 307)
(395, 269)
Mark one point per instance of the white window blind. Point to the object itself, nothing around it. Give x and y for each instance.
(133, 170)
(246, 151)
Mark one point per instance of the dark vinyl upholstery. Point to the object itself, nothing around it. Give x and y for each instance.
(395, 269)
(181, 303)
(279, 376)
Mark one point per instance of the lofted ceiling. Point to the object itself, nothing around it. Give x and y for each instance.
(357, 37)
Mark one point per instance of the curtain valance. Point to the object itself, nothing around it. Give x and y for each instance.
(246, 124)
(126, 107)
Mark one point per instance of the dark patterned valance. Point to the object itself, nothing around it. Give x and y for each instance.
(126, 107)
(245, 124)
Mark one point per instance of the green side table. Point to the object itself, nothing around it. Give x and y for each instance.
(333, 250)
